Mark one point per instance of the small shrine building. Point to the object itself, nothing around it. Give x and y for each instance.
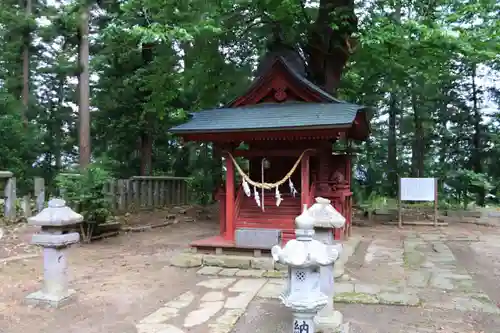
(288, 126)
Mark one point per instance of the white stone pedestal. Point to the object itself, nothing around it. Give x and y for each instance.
(326, 219)
(55, 292)
(327, 319)
(303, 322)
(54, 220)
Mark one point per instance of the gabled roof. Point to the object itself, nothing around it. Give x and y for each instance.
(296, 75)
(259, 117)
(248, 113)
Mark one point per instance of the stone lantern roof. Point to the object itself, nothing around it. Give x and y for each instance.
(325, 215)
(305, 251)
(57, 214)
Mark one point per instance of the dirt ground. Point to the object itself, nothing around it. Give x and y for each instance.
(121, 280)
(118, 281)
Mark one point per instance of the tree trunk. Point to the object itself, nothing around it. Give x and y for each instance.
(329, 49)
(58, 124)
(146, 154)
(26, 65)
(476, 137)
(83, 84)
(418, 147)
(392, 153)
(392, 157)
(146, 138)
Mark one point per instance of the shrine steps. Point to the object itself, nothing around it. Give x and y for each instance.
(273, 217)
(249, 215)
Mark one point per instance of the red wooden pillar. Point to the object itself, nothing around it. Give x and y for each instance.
(338, 233)
(348, 205)
(304, 176)
(221, 197)
(229, 235)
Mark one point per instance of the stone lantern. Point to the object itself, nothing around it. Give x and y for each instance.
(326, 219)
(57, 222)
(304, 256)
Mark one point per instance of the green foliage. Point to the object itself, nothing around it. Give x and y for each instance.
(85, 193)
(430, 67)
(202, 187)
(463, 183)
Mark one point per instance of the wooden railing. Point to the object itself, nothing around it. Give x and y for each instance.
(312, 194)
(237, 202)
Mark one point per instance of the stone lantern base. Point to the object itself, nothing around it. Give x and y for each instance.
(332, 324)
(39, 298)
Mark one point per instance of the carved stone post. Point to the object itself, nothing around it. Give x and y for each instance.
(55, 238)
(326, 219)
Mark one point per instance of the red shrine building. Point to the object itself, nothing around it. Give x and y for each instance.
(280, 132)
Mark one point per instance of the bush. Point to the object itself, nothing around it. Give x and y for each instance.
(85, 194)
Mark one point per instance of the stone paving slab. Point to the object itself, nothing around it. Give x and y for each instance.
(214, 307)
(416, 271)
(269, 316)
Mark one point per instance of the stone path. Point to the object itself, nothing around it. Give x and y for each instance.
(433, 289)
(420, 269)
(265, 316)
(214, 306)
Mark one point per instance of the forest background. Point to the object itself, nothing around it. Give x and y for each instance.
(97, 85)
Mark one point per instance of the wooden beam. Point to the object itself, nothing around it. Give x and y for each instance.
(295, 134)
(270, 152)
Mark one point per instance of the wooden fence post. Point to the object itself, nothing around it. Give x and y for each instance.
(137, 199)
(162, 193)
(39, 193)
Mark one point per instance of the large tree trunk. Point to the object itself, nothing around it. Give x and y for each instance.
(328, 50)
(392, 154)
(83, 84)
(58, 123)
(146, 154)
(476, 137)
(146, 138)
(418, 147)
(26, 65)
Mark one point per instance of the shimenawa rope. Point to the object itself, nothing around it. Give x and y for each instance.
(264, 185)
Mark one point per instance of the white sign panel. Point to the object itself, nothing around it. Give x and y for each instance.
(417, 189)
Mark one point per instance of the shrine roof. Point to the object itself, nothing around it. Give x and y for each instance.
(258, 117)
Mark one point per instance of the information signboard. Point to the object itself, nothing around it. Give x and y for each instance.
(417, 189)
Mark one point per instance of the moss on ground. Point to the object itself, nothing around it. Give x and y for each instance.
(354, 297)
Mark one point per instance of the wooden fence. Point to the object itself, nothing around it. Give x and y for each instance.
(144, 192)
(125, 195)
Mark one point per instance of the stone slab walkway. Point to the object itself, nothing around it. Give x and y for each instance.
(214, 306)
(417, 270)
(396, 281)
(266, 316)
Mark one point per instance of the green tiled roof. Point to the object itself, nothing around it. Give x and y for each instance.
(270, 116)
